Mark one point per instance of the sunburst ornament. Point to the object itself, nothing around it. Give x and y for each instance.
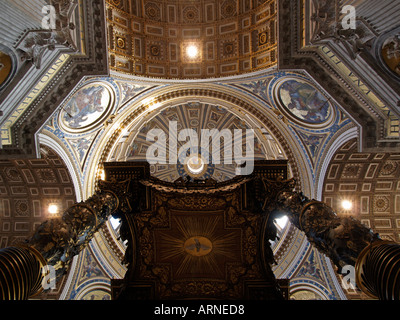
(195, 248)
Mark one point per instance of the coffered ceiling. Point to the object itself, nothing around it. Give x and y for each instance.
(151, 38)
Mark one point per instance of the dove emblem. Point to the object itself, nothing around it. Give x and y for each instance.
(198, 246)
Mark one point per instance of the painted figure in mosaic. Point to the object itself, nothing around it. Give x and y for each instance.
(83, 106)
(304, 101)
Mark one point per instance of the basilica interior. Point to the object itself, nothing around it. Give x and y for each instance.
(83, 84)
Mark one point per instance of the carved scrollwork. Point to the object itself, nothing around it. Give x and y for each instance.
(201, 288)
(35, 43)
(117, 195)
(167, 238)
(59, 239)
(340, 238)
(328, 27)
(197, 203)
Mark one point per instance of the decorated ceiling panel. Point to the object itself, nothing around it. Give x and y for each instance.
(370, 181)
(312, 117)
(154, 38)
(27, 189)
(204, 39)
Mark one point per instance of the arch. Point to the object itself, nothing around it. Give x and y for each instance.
(133, 116)
(311, 287)
(156, 45)
(352, 133)
(50, 142)
(96, 288)
(136, 114)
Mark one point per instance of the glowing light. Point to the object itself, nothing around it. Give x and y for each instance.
(195, 164)
(347, 205)
(281, 222)
(115, 222)
(192, 51)
(53, 209)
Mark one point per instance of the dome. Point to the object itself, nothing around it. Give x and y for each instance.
(191, 39)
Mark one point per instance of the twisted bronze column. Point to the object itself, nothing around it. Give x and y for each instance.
(20, 272)
(58, 240)
(378, 270)
(343, 239)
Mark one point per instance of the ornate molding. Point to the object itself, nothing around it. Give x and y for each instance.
(297, 52)
(328, 27)
(90, 60)
(35, 42)
(233, 242)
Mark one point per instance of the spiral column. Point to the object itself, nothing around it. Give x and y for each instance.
(378, 270)
(57, 240)
(20, 272)
(345, 240)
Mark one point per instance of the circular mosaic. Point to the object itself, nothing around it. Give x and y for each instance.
(190, 14)
(153, 11)
(5, 67)
(381, 203)
(8, 66)
(388, 168)
(391, 53)
(303, 103)
(87, 108)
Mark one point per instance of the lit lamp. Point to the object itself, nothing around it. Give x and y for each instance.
(192, 51)
(195, 164)
(282, 222)
(347, 205)
(53, 209)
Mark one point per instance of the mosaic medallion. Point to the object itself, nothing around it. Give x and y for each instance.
(391, 53)
(303, 103)
(8, 66)
(5, 66)
(87, 108)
